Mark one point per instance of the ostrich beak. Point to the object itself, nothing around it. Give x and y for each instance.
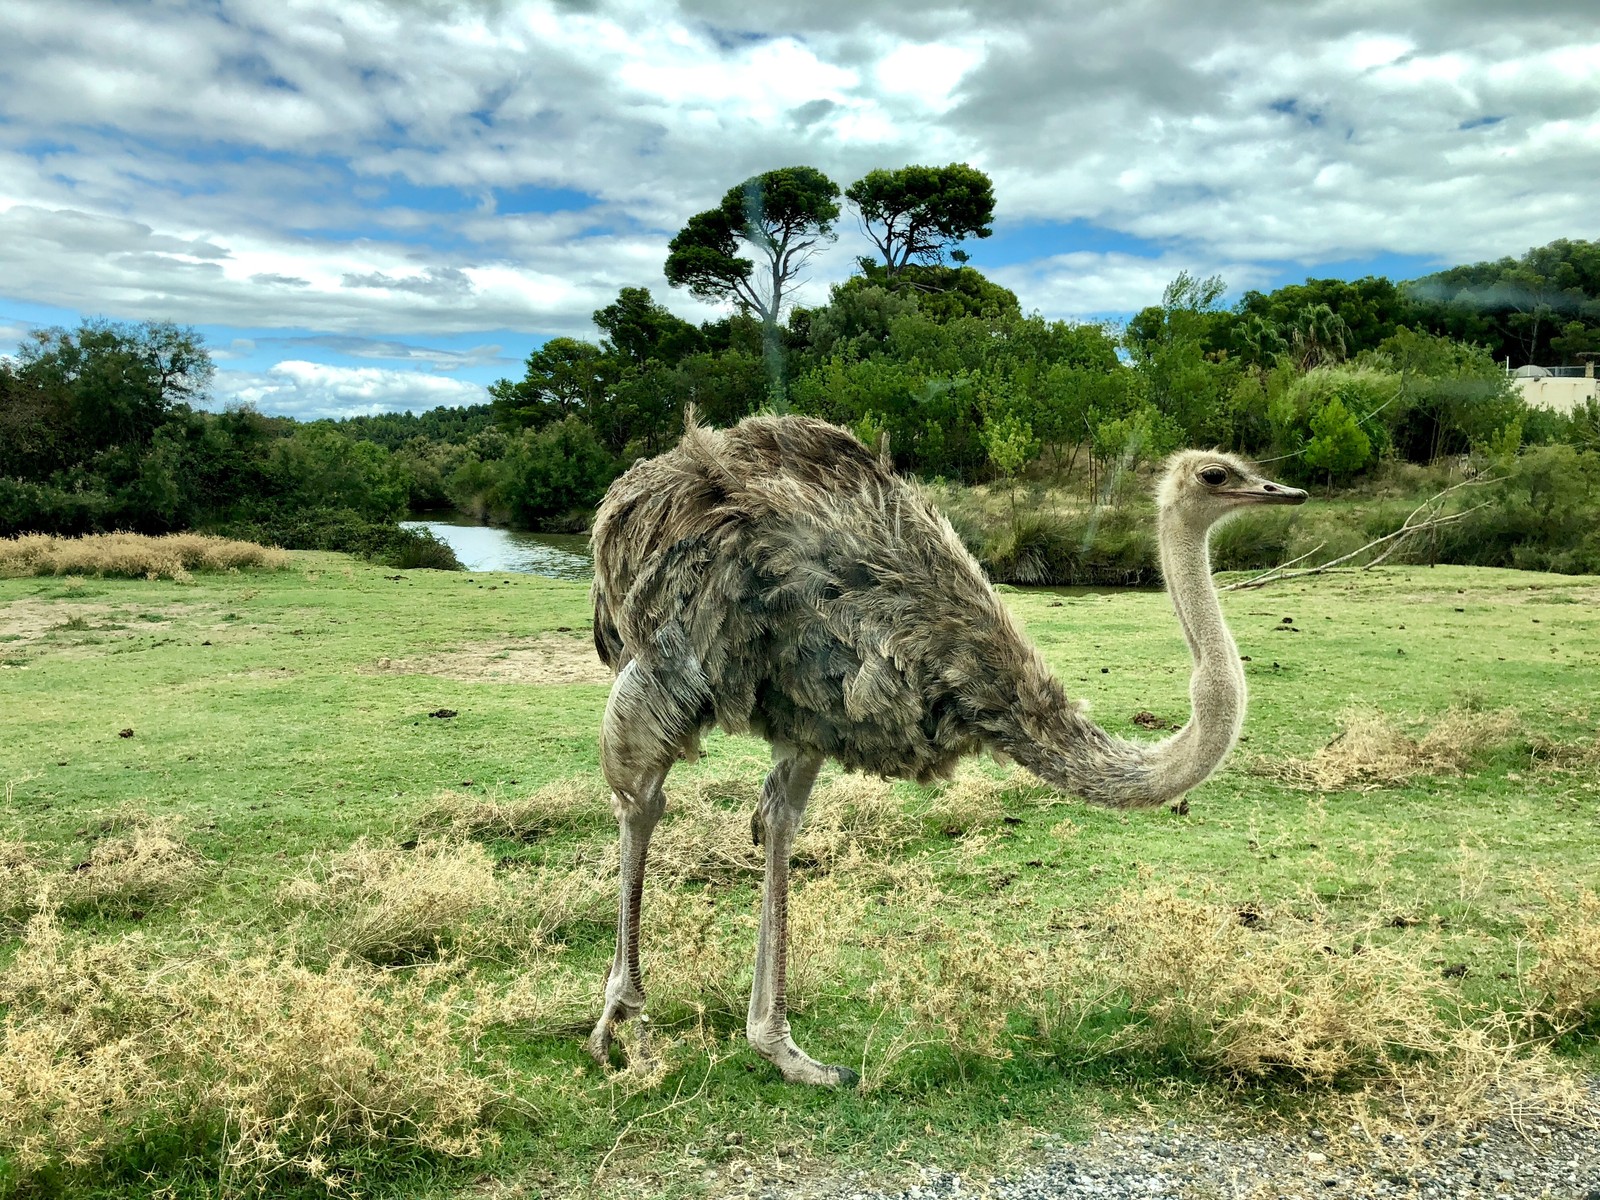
(1264, 491)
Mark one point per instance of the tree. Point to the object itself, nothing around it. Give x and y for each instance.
(1258, 340)
(1120, 444)
(1451, 394)
(918, 212)
(782, 215)
(1319, 336)
(114, 384)
(942, 293)
(316, 467)
(442, 424)
(548, 472)
(1187, 313)
(565, 377)
(856, 321)
(1009, 445)
(724, 388)
(1179, 353)
(1371, 308)
(1518, 306)
(638, 330)
(1338, 444)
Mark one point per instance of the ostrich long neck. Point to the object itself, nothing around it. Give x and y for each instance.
(1066, 749)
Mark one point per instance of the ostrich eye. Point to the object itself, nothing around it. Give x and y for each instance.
(1214, 476)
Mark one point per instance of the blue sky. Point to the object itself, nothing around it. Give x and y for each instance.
(376, 205)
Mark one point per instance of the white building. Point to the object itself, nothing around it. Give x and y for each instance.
(1560, 389)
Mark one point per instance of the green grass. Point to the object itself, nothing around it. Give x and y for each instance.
(264, 722)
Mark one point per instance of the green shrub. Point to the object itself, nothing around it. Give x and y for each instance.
(1545, 516)
(1104, 547)
(28, 507)
(1253, 542)
(350, 533)
(411, 549)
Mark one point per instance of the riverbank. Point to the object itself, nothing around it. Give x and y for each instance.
(481, 547)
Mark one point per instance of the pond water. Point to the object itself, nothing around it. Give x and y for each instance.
(487, 548)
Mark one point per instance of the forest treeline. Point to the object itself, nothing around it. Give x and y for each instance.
(100, 430)
(102, 427)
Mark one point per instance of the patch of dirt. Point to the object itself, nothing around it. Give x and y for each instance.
(23, 622)
(69, 626)
(550, 659)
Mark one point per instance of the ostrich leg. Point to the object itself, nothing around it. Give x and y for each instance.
(638, 809)
(635, 759)
(777, 820)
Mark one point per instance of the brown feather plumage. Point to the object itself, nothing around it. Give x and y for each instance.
(788, 584)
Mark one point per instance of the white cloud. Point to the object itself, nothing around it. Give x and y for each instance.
(928, 72)
(12, 335)
(269, 165)
(310, 390)
(1086, 285)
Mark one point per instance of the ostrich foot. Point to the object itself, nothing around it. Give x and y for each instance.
(795, 1065)
(605, 1034)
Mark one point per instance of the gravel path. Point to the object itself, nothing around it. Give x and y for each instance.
(1534, 1162)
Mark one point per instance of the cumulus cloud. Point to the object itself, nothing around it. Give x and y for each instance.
(434, 281)
(1088, 286)
(309, 391)
(374, 168)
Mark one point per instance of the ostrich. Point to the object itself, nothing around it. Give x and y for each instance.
(778, 579)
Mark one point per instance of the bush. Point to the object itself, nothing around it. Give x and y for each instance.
(276, 1070)
(133, 555)
(30, 507)
(1103, 547)
(1253, 542)
(413, 549)
(1545, 516)
(349, 532)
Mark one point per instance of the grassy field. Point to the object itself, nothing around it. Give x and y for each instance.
(272, 921)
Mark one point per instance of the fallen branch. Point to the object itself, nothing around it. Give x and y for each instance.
(1246, 583)
(1392, 541)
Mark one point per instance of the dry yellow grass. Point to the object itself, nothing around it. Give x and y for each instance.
(20, 877)
(136, 864)
(946, 986)
(388, 905)
(133, 555)
(1185, 978)
(291, 1068)
(1285, 997)
(1564, 980)
(307, 1058)
(139, 864)
(563, 805)
(544, 903)
(1373, 751)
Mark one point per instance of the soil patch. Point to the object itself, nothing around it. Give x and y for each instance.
(551, 659)
(67, 626)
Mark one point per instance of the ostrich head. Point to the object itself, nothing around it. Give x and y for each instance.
(1206, 486)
